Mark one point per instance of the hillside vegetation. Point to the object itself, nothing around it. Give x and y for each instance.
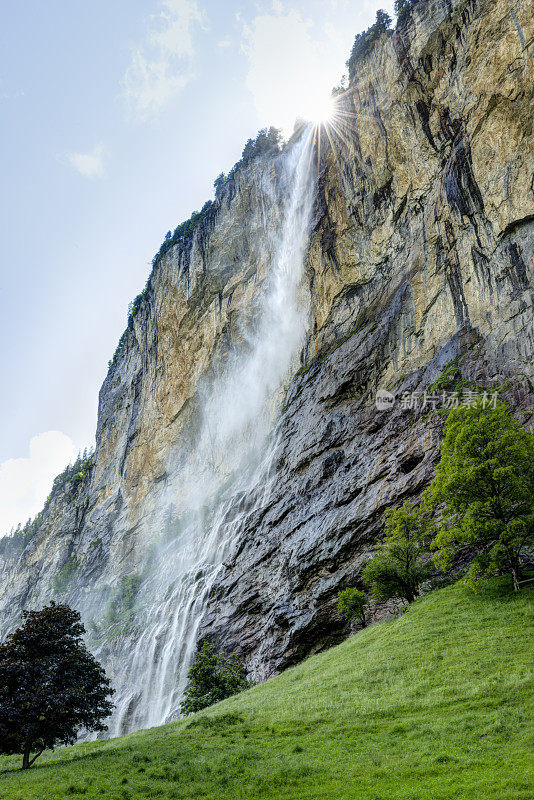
(434, 704)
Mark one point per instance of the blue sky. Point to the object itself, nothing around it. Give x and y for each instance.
(115, 119)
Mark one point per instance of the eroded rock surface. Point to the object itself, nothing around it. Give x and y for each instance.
(421, 255)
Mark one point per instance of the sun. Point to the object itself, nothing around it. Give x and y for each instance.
(319, 110)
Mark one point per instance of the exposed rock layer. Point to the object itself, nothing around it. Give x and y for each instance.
(421, 253)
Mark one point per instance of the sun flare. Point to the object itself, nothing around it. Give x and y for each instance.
(320, 109)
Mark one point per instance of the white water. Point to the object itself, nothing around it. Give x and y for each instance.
(231, 461)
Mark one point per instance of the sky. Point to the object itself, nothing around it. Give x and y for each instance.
(115, 118)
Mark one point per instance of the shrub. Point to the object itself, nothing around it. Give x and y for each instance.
(123, 598)
(402, 9)
(212, 677)
(65, 575)
(351, 605)
(399, 568)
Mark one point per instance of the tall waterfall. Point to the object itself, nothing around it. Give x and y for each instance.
(231, 462)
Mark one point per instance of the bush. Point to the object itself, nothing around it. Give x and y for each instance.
(212, 677)
(69, 479)
(123, 598)
(399, 569)
(65, 575)
(351, 605)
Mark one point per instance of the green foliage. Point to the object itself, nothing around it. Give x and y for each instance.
(364, 42)
(50, 685)
(212, 677)
(267, 143)
(128, 588)
(65, 575)
(122, 601)
(351, 605)
(485, 483)
(449, 378)
(219, 183)
(399, 568)
(433, 704)
(403, 9)
(70, 479)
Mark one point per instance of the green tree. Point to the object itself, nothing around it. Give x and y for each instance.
(399, 569)
(363, 42)
(218, 183)
(351, 605)
(212, 677)
(403, 8)
(50, 685)
(485, 483)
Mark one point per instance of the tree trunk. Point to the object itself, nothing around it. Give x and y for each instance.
(516, 575)
(26, 754)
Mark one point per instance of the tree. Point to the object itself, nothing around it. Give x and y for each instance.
(50, 685)
(485, 481)
(363, 42)
(351, 605)
(218, 183)
(212, 677)
(398, 570)
(402, 9)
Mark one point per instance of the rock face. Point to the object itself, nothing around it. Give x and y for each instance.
(421, 255)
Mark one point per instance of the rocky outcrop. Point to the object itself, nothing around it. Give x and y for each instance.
(421, 257)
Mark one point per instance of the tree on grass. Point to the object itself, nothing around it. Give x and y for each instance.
(212, 677)
(50, 684)
(399, 569)
(485, 483)
(351, 605)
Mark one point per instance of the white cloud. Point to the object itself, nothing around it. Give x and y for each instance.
(162, 65)
(25, 483)
(90, 165)
(224, 43)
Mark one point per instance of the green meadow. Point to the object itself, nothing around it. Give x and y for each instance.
(434, 704)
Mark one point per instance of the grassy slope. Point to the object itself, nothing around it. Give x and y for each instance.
(434, 704)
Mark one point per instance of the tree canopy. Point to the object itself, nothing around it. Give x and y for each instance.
(363, 42)
(351, 605)
(50, 684)
(485, 485)
(399, 568)
(212, 677)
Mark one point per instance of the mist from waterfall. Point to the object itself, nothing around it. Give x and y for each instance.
(230, 466)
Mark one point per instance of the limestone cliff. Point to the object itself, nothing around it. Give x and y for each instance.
(421, 254)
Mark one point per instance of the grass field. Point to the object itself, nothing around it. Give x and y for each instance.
(435, 704)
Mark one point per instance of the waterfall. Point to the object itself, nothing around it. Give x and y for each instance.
(229, 469)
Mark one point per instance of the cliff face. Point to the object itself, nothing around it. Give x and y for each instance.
(421, 254)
